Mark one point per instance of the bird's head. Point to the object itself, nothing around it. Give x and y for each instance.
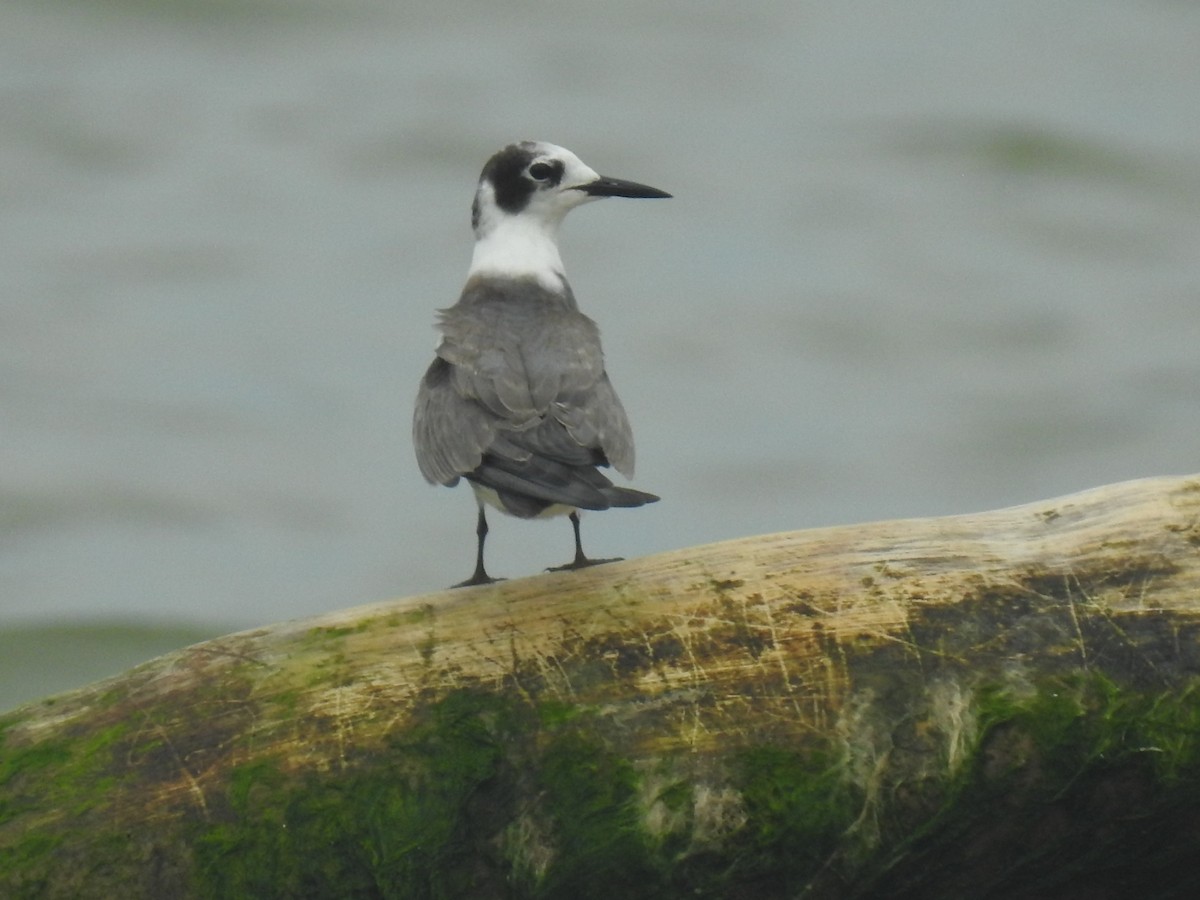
(541, 183)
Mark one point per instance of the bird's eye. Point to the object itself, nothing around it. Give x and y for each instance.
(540, 171)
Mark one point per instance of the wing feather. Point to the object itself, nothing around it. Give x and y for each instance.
(518, 400)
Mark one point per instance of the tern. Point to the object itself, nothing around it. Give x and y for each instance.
(517, 400)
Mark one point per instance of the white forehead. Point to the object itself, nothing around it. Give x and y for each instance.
(544, 148)
(575, 170)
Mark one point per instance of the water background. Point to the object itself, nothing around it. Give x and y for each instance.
(924, 258)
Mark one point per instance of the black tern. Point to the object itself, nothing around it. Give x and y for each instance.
(517, 400)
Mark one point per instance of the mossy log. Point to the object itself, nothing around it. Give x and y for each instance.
(991, 705)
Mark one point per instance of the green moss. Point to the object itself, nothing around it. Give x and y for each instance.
(28, 760)
(1168, 729)
(601, 848)
(675, 796)
(423, 613)
(404, 823)
(555, 714)
(798, 806)
(286, 703)
(333, 635)
(25, 861)
(68, 778)
(24, 871)
(316, 636)
(431, 814)
(80, 780)
(1078, 722)
(486, 794)
(1076, 785)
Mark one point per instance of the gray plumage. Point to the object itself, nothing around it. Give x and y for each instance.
(517, 400)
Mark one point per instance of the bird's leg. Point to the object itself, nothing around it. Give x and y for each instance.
(580, 561)
(481, 576)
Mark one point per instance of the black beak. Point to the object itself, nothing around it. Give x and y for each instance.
(615, 187)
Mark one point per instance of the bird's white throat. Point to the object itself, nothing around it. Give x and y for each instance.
(519, 247)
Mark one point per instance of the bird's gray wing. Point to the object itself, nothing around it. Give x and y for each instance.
(517, 355)
(450, 431)
(564, 364)
(594, 417)
(522, 380)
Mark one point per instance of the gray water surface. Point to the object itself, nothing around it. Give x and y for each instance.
(924, 258)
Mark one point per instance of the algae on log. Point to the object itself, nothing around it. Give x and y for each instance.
(999, 705)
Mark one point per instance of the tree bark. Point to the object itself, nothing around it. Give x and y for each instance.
(992, 705)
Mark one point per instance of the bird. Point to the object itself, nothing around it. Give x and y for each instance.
(517, 400)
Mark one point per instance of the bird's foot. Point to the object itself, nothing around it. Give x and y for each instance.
(477, 578)
(582, 562)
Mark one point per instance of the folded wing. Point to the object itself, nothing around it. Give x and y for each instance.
(518, 401)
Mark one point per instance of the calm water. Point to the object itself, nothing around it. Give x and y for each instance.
(923, 258)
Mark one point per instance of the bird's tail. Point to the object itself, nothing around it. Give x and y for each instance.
(624, 497)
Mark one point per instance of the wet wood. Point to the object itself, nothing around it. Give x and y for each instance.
(833, 711)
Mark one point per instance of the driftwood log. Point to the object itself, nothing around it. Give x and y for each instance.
(991, 705)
